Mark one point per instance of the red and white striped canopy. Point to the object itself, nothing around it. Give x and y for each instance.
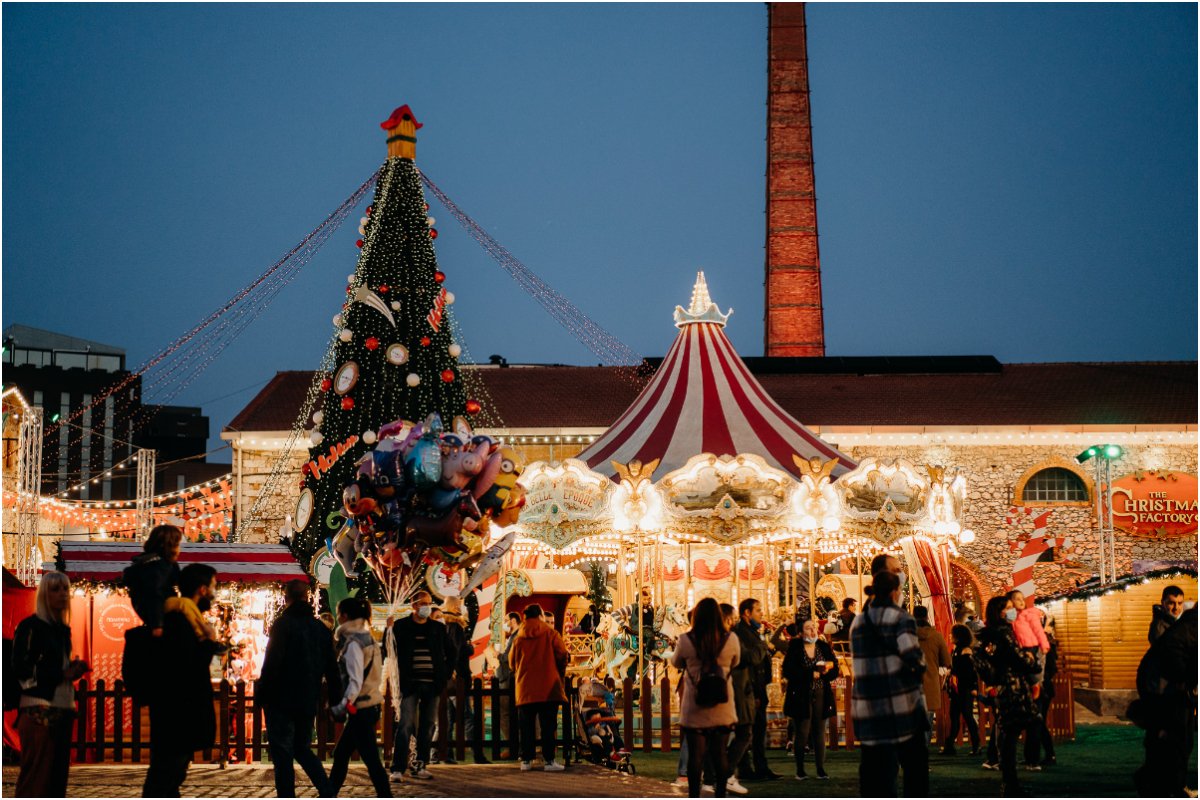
(240, 563)
(703, 399)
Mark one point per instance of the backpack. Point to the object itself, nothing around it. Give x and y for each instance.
(140, 664)
(712, 688)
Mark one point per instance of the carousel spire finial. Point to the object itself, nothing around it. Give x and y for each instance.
(703, 309)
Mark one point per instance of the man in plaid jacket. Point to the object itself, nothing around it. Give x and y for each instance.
(888, 705)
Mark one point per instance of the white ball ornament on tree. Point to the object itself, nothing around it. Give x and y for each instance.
(363, 220)
(413, 379)
(454, 350)
(319, 417)
(369, 437)
(316, 438)
(449, 298)
(395, 305)
(350, 278)
(337, 320)
(346, 334)
(430, 221)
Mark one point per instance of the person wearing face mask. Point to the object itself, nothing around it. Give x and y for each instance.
(181, 715)
(423, 653)
(809, 668)
(504, 678)
(1167, 613)
(1004, 665)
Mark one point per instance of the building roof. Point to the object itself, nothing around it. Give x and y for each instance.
(38, 339)
(703, 399)
(1080, 393)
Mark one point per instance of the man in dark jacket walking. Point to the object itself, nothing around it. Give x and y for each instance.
(1166, 684)
(424, 658)
(1164, 615)
(182, 720)
(752, 709)
(299, 654)
(456, 629)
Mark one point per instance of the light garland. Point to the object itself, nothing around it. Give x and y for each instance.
(1119, 585)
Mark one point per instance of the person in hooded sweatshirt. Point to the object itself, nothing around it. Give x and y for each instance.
(1167, 613)
(538, 660)
(360, 666)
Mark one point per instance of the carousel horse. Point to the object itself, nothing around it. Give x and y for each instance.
(605, 629)
(671, 621)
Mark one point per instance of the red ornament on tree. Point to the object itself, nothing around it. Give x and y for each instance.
(347, 403)
(369, 210)
(427, 206)
(371, 343)
(359, 243)
(433, 233)
(349, 288)
(473, 407)
(448, 375)
(425, 341)
(383, 288)
(326, 385)
(439, 276)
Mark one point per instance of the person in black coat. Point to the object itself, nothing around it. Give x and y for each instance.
(299, 653)
(456, 620)
(1039, 735)
(45, 672)
(1166, 685)
(424, 657)
(962, 687)
(809, 668)
(182, 719)
(1003, 665)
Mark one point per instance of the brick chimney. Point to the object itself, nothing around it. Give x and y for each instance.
(794, 322)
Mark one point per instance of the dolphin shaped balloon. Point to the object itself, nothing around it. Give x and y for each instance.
(490, 564)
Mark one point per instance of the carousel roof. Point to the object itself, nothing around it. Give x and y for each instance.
(703, 399)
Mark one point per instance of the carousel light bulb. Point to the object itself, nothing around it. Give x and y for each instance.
(630, 566)
(967, 536)
(953, 528)
(787, 564)
(939, 528)
(831, 523)
(808, 523)
(741, 563)
(681, 563)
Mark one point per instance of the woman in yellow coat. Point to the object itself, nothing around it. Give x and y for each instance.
(538, 659)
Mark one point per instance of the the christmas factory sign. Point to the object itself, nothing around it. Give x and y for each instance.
(1155, 503)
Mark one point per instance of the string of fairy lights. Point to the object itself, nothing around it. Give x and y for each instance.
(172, 369)
(606, 347)
(488, 416)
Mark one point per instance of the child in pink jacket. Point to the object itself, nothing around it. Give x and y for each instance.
(1031, 636)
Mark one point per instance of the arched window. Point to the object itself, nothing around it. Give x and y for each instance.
(1055, 485)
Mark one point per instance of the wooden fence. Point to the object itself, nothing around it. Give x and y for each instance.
(646, 726)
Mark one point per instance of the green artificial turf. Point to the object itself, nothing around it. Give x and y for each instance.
(1099, 763)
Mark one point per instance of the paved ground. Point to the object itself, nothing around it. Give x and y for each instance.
(464, 780)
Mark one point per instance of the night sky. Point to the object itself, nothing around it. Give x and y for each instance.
(1010, 180)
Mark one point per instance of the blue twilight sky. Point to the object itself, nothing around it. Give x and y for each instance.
(1015, 180)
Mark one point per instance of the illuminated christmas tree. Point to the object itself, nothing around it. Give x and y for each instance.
(394, 356)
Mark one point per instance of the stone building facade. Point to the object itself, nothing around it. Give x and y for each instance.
(999, 428)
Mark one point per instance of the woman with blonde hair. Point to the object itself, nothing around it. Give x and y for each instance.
(47, 673)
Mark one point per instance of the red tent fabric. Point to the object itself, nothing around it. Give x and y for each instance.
(703, 399)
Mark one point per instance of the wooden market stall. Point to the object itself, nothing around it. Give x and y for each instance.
(1102, 633)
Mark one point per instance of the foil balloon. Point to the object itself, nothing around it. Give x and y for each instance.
(423, 461)
(491, 562)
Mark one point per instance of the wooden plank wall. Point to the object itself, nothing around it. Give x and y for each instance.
(1102, 640)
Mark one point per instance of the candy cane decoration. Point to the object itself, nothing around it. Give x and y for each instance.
(482, 635)
(1031, 547)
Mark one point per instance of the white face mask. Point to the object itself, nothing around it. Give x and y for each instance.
(810, 640)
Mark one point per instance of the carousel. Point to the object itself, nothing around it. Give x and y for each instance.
(706, 487)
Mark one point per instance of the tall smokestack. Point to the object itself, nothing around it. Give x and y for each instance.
(794, 322)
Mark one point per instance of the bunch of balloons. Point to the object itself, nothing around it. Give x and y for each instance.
(425, 495)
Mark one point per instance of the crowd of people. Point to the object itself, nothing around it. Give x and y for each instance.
(901, 664)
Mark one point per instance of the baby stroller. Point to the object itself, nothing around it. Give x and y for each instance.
(599, 729)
